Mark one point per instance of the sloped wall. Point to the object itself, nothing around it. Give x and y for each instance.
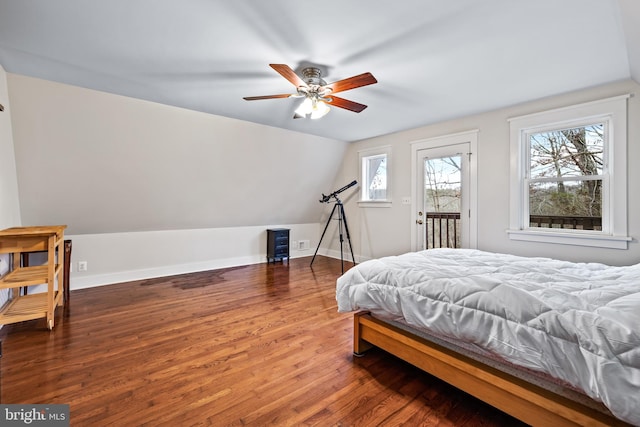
(126, 165)
(129, 176)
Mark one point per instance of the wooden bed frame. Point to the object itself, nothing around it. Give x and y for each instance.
(525, 401)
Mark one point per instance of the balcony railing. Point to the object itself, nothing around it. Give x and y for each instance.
(567, 222)
(442, 228)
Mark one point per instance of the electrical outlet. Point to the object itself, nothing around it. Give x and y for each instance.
(82, 266)
(303, 245)
(294, 244)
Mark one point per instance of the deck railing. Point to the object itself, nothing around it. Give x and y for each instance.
(568, 222)
(442, 228)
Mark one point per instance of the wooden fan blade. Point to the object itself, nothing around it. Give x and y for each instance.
(360, 80)
(255, 98)
(286, 72)
(346, 104)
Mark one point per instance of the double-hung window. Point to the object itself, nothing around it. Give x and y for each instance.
(375, 176)
(568, 175)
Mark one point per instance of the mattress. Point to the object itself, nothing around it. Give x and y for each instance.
(576, 322)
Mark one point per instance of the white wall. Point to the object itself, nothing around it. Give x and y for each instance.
(148, 189)
(9, 207)
(318, 166)
(378, 232)
(104, 163)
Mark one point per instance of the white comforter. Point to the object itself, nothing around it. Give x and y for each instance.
(579, 323)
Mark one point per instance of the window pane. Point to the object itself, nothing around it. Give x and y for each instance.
(442, 200)
(376, 177)
(568, 204)
(442, 184)
(567, 152)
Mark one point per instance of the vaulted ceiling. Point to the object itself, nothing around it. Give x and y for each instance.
(434, 60)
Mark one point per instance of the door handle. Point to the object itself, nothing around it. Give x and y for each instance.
(419, 221)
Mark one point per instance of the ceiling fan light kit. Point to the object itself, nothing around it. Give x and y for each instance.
(313, 108)
(316, 92)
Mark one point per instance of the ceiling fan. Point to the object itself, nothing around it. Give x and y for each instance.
(316, 92)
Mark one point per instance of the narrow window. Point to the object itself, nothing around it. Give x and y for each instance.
(375, 176)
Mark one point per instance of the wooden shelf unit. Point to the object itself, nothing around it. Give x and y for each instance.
(19, 240)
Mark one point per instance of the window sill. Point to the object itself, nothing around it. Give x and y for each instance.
(564, 238)
(374, 203)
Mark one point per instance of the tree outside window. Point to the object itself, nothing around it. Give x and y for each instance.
(566, 177)
(443, 184)
(569, 175)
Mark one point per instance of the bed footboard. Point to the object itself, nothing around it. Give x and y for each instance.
(525, 401)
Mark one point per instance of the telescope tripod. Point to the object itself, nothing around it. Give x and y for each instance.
(341, 219)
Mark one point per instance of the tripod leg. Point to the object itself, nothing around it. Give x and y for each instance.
(346, 229)
(340, 217)
(325, 230)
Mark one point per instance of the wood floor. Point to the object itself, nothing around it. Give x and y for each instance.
(256, 345)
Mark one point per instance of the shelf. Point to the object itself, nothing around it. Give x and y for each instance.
(28, 307)
(26, 276)
(29, 239)
(46, 230)
(18, 241)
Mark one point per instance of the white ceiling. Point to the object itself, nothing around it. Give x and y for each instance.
(434, 60)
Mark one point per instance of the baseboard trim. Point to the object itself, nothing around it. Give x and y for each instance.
(91, 281)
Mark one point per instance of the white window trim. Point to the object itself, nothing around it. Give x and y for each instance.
(614, 234)
(369, 152)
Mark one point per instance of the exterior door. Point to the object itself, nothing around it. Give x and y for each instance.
(442, 202)
(444, 188)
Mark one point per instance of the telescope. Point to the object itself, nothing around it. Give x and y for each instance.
(341, 219)
(325, 199)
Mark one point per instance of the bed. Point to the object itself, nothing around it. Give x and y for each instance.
(550, 342)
